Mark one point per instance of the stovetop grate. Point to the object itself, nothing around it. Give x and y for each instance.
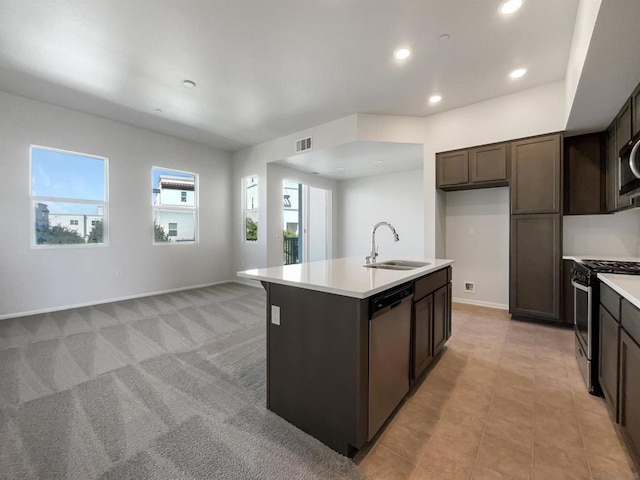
(613, 266)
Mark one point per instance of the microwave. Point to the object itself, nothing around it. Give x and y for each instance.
(630, 168)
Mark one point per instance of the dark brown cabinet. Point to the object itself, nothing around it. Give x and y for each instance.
(489, 164)
(478, 167)
(534, 290)
(535, 175)
(615, 201)
(452, 168)
(624, 125)
(431, 323)
(423, 339)
(608, 359)
(635, 108)
(630, 390)
(440, 298)
(585, 174)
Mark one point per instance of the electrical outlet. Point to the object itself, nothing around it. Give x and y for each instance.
(469, 287)
(118, 273)
(275, 314)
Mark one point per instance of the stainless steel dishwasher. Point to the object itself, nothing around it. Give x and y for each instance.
(389, 350)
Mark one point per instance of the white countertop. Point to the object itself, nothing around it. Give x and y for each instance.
(343, 276)
(626, 285)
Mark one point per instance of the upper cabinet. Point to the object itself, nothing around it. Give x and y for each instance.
(452, 168)
(479, 167)
(623, 125)
(635, 109)
(535, 175)
(585, 174)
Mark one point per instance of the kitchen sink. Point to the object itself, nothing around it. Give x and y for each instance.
(397, 265)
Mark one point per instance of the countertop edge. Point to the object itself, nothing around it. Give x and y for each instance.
(418, 272)
(610, 280)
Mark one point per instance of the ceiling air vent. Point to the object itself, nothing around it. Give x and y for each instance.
(303, 145)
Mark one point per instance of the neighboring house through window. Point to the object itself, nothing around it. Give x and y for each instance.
(68, 194)
(250, 208)
(175, 206)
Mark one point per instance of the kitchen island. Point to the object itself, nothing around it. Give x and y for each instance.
(345, 342)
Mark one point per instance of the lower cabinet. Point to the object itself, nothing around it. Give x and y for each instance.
(608, 359)
(440, 298)
(630, 390)
(431, 323)
(422, 337)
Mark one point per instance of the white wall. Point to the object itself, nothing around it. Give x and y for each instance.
(531, 112)
(31, 278)
(602, 235)
(477, 229)
(397, 198)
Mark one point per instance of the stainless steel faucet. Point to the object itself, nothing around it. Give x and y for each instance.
(371, 258)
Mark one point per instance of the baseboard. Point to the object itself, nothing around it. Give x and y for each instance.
(480, 303)
(107, 300)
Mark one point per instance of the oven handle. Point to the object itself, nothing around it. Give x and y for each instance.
(580, 287)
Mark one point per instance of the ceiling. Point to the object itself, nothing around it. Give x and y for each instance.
(358, 159)
(265, 69)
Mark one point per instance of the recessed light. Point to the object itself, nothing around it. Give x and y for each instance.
(188, 83)
(159, 110)
(518, 72)
(379, 162)
(435, 98)
(315, 173)
(444, 37)
(510, 6)
(340, 169)
(402, 54)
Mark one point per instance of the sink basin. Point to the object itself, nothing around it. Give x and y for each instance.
(397, 265)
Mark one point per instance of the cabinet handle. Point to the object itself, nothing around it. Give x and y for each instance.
(632, 160)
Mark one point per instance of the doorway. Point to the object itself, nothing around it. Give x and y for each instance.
(306, 223)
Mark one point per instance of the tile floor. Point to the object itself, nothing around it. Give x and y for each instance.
(505, 401)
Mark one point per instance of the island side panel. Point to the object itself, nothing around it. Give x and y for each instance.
(317, 362)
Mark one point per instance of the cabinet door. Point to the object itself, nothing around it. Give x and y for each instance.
(535, 175)
(488, 164)
(534, 280)
(623, 125)
(630, 389)
(422, 335)
(440, 300)
(615, 201)
(452, 168)
(608, 359)
(449, 299)
(635, 108)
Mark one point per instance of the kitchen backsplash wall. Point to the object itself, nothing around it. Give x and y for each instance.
(613, 235)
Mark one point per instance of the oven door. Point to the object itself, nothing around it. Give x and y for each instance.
(582, 298)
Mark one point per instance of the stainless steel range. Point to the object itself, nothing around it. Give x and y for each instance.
(586, 298)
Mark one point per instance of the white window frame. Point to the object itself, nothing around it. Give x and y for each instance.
(245, 210)
(183, 208)
(35, 199)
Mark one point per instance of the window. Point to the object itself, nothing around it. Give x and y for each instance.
(66, 189)
(94, 223)
(175, 206)
(250, 208)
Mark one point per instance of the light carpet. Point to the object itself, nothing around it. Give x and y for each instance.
(163, 387)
